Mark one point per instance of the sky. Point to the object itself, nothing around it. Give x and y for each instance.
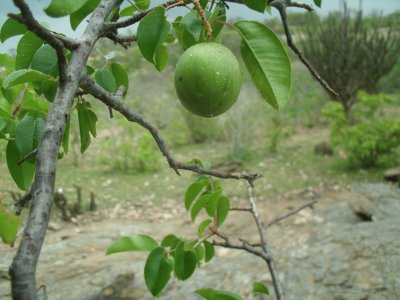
(62, 24)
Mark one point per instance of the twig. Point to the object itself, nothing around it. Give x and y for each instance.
(114, 101)
(240, 209)
(124, 41)
(21, 202)
(289, 214)
(203, 17)
(29, 155)
(271, 264)
(282, 11)
(110, 26)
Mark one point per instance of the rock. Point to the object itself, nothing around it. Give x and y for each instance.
(392, 175)
(323, 149)
(375, 201)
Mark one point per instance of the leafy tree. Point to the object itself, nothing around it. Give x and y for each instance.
(48, 80)
(351, 52)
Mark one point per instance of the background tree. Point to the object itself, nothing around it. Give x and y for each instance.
(350, 53)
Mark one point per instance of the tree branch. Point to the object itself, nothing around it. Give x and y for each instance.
(289, 214)
(23, 268)
(90, 86)
(282, 12)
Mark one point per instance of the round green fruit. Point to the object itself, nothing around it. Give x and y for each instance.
(207, 79)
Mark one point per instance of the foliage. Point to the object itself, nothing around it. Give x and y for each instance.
(350, 53)
(49, 79)
(372, 135)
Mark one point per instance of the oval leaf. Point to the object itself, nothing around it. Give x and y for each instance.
(210, 251)
(185, 262)
(11, 28)
(213, 203)
(267, 62)
(152, 31)
(9, 225)
(87, 124)
(203, 226)
(23, 173)
(139, 242)
(60, 8)
(120, 76)
(27, 47)
(222, 210)
(22, 76)
(211, 294)
(157, 271)
(106, 80)
(169, 240)
(78, 16)
(318, 3)
(193, 192)
(257, 5)
(28, 134)
(45, 61)
(161, 58)
(199, 204)
(260, 288)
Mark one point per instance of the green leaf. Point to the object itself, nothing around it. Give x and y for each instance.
(139, 242)
(157, 271)
(200, 253)
(185, 262)
(257, 5)
(259, 287)
(3, 124)
(211, 294)
(213, 203)
(151, 33)
(45, 61)
(27, 47)
(7, 62)
(222, 210)
(193, 192)
(78, 16)
(127, 11)
(28, 134)
(161, 58)
(210, 251)
(11, 28)
(5, 109)
(169, 240)
(192, 23)
(318, 3)
(23, 173)
(106, 80)
(120, 75)
(60, 8)
(9, 225)
(22, 76)
(203, 226)
(218, 15)
(49, 89)
(198, 205)
(142, 4)
(267, 62)
(87, 124)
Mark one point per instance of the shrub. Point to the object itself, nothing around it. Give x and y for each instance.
(352, 52)
(375, 134)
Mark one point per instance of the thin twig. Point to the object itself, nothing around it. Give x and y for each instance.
(21, 202)
(29, 155)
(289, 214)
(240, 209)
(111, 100)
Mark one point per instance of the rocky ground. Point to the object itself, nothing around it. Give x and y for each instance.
(347, 247)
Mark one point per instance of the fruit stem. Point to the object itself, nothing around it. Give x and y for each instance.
(203, 17)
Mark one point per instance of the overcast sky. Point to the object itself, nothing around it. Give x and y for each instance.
(62, 24)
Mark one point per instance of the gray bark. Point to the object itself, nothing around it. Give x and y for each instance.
(23, 268)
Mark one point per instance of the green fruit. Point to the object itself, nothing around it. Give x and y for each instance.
(207, 79)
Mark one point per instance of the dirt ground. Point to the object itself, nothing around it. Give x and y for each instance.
(73, 264)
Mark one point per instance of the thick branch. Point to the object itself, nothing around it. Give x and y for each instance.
(23, 268)
(88, 85)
